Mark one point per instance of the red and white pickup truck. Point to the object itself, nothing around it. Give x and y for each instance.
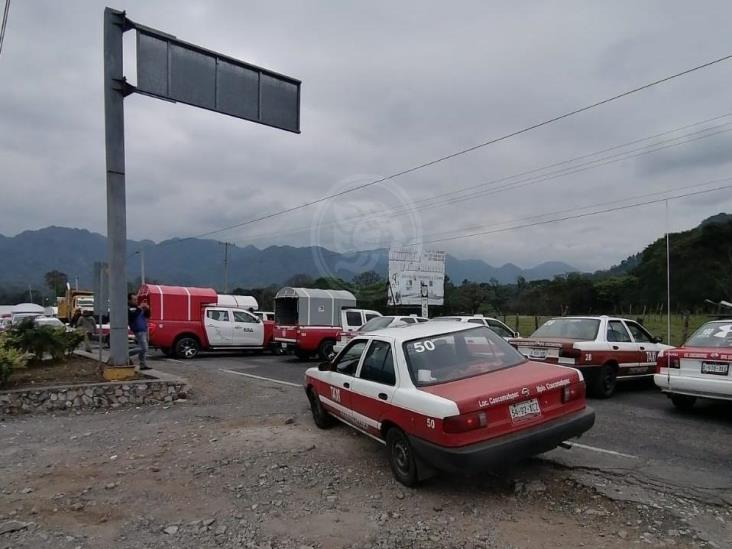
(309, 321)
(183, 321)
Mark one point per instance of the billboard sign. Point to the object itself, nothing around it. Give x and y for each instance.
(412, 271)
(174, 70)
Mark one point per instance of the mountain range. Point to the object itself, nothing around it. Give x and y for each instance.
(27, 256)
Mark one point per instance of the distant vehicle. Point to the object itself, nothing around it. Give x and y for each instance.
(183, 321)
(25, 310)
(605, 349)
(5, 324)
(377, 323)
(48, 321)
(82, 300)
(309, 321)
(448, 396)
(493, 323)
(265, 315)
(700, 368)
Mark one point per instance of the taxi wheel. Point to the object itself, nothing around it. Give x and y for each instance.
(683, 402)
(604, 382)
(401, 457)
(321, 418)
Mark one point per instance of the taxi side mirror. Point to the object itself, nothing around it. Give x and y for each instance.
(516, 334)
(326, 366)
(657, 339)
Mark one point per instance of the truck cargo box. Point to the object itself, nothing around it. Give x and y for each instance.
(311, 307)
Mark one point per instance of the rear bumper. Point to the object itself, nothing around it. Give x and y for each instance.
(509, 448)
(719, 387)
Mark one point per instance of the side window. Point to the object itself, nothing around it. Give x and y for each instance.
(241, 316)
(218, 315)
(639, 333)
(500, 329)
(369, 316)
(477, 321)
(407, 319)
(422, 320)
(617, 333)
(349, 359)
(378, 365)
(353, 318)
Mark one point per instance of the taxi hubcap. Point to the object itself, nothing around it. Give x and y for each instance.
(401, 455)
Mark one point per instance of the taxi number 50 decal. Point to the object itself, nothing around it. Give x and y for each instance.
(422, 346)
(430, 423)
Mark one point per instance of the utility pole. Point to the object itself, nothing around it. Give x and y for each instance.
(226, 267)
(142, 265)
(30, 294)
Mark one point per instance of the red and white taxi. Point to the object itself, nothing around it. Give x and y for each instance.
(448, 396)
(604, 348)
(699, 368)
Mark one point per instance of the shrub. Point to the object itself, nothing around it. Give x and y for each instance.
(10, 359)
(39, 341)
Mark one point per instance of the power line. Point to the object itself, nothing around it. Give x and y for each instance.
(577, 216)
(534, 179)
(4, 23)
(464, 151)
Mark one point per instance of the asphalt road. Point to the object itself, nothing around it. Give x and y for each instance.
(637, 431)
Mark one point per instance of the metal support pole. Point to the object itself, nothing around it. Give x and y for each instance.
(226, 267)
(668, 280)
(142, 266)
(114, 134)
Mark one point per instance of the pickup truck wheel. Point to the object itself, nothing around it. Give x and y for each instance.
(321, 418)
(401, 457)
(683, 402)
(325, 351)
(604, 380)
(187, 347)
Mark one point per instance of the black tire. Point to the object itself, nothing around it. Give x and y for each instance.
(186, 347)
(325, 351)
(401, 457)
(683, 402)
(302, 355)
(321, 418)
(604, 380)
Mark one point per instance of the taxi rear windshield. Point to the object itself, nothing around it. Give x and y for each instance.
(712, 334)
(571, 328)
(458, 355)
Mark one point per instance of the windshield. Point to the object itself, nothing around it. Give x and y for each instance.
(376, 324)
(712, 334)
(458, 355)
(571, 328)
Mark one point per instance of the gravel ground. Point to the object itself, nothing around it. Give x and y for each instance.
(242, 465)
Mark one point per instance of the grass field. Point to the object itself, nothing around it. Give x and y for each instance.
(653, 323)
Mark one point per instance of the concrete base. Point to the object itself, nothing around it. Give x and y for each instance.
(118, 373)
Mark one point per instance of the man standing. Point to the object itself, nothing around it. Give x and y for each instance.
(87, 326)
(137, 320)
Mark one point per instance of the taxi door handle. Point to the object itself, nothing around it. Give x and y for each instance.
(346, 385)
(615, 347)
(642, 348)
(383, 396)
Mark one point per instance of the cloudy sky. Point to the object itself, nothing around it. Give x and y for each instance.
(386, 86)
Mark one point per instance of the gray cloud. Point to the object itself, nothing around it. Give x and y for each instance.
(384, 87)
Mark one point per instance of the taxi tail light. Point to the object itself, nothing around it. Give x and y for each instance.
(661, 362)
(573, 392)
(674, 362)
(464, 422)
(570, 353)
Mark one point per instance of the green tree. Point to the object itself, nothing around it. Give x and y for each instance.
(56, 282)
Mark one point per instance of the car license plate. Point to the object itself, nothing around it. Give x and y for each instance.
(283, 345)
(715, 368)
(524, 409)
(538, 353)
